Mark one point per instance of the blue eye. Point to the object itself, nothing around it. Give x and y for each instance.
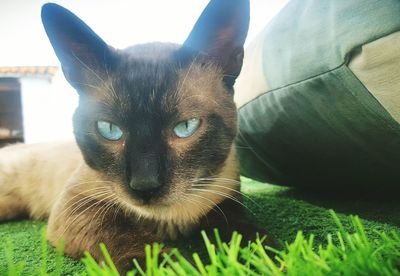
(109, 130)
(187, 128)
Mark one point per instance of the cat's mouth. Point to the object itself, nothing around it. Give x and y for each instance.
(134, 201)
(144, 198)
(147, 199)
(174, 209)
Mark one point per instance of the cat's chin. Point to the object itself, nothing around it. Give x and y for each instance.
(177, 212)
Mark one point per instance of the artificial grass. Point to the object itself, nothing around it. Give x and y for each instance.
(282, 211)
(354, 254)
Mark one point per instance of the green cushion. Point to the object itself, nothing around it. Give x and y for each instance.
(317, 125)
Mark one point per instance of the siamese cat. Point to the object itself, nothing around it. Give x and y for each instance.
(154, 158)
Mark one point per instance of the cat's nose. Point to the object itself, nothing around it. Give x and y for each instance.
(145, 188)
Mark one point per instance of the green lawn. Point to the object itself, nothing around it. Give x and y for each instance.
(282, 211)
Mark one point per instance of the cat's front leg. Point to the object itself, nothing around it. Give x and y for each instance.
(231, 216)
(83, 226)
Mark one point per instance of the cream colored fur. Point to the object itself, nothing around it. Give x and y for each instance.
(32, 176)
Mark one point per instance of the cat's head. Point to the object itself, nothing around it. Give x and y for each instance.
(158, 119)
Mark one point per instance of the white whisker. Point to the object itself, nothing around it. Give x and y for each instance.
(99, 202)
(224, 195)
(110, 205)
(228, 188)
(214, 204)
(68, 223)
(100, 191)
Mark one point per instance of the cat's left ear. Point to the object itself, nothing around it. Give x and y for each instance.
(220, 32)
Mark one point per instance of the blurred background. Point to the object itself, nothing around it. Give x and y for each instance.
(36, 103)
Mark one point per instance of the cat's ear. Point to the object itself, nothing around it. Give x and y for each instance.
(220, 32)
(84, 56)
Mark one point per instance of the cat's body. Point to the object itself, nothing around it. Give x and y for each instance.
(154, 158)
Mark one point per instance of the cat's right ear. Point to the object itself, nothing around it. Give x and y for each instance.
(84, 56)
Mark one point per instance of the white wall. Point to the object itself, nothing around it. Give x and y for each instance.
(47, 109)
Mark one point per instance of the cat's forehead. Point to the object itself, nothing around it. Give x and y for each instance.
(160, 78)
(147, 68)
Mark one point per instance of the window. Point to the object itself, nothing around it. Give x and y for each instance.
(11, 126)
